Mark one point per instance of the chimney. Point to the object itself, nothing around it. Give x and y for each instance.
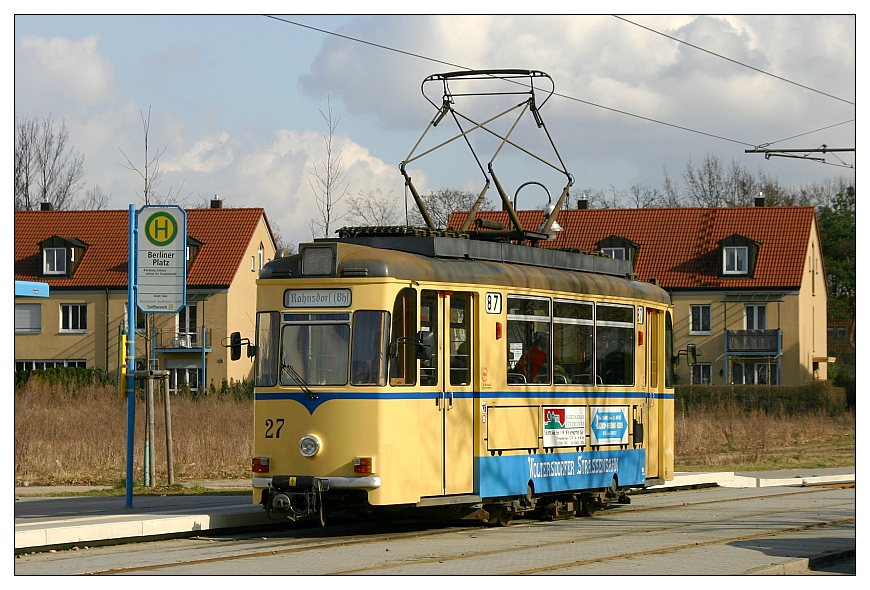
(216, 202)
(759, 200)
(583, 202)
(46, 207)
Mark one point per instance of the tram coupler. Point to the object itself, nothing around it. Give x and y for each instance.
(294, 498)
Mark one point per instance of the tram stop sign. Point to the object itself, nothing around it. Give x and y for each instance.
(609, 426)
(161, 268)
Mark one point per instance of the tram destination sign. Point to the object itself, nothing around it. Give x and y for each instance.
(161, 265)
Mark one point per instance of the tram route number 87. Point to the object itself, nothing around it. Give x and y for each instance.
(493, 303)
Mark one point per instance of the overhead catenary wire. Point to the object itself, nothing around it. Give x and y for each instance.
(719, 55)
(572, 98)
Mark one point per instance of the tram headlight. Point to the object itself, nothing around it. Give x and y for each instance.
(309, 445)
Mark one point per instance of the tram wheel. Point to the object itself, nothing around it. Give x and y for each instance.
(499, 516)
(589, 506)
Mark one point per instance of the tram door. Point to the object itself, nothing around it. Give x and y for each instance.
(655, 376)
(450, 315)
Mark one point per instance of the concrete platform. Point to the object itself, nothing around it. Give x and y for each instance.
(43, 522)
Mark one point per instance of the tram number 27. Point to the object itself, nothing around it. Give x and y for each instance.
(273, 427)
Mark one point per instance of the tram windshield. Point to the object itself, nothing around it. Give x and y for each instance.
(325, 348)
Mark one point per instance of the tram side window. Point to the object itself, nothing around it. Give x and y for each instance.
(371, 332)
(460, 330)
(429, 323)
(266, 369)
(528, 342)
(318, 353)
(573, 343)
(614, 328)
(669, 350)
(403, 358)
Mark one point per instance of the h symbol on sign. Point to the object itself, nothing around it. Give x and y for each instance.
(161, 226)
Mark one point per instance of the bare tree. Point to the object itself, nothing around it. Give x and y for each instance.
(373, 208)
(442, 203)
(641, 196)
(329, 184)
(671, 197)
(47, 170)
(706, 184)
(94, 200)
(150, 173)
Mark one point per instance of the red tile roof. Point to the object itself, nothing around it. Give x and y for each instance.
(225, 234)
(679, 247)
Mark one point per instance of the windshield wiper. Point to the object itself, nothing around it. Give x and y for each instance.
(299, 380)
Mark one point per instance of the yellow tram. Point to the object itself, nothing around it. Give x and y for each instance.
(468, 372)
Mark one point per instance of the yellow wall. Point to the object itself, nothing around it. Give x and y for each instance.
(222, 312)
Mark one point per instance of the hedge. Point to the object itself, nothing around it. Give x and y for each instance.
(777, 400)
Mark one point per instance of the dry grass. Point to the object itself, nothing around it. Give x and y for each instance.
(81, 438)
(726, 437)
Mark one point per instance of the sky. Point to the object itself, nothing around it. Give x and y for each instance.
(238, 103)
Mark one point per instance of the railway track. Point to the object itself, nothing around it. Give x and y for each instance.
(693, 529)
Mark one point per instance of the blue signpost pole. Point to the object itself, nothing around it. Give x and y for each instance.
(131, 354)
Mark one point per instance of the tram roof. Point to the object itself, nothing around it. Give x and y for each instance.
(455, 260)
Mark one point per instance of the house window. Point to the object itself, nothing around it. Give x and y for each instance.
(54, 261)
(618, 253)
(260, 256)
(49, 364)
(735, 260)
(74, 317)
(756, 317)
(754, 374)
(702, 374)
(184, 378)
(187, 324)
(28, 318)
(700, 320)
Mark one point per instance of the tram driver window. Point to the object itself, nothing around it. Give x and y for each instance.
(614, 328)
(371, 332)
(403, 358)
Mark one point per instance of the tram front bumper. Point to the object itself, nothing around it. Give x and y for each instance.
(300, 497)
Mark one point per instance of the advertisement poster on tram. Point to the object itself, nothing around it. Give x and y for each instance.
(564, 426)
(609, 425)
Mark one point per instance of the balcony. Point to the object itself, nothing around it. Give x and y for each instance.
(174, 341)
(760, 342)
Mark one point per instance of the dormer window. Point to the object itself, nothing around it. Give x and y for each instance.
(738, 256)
(61, 256)
(191, 249)
(618, 253)
(735, 260)
(619, 248)
(54, 261)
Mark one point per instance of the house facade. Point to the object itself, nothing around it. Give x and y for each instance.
(747, 283)
(83, 257)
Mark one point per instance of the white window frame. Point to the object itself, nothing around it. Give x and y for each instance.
(612, 252)
(66, 309)
(705, 371)
(28, 318)
(54, 261)
(33, 365)
(735, 260)
(751, 316)
(692, 326)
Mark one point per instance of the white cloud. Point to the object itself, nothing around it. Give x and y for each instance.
(71, 68)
